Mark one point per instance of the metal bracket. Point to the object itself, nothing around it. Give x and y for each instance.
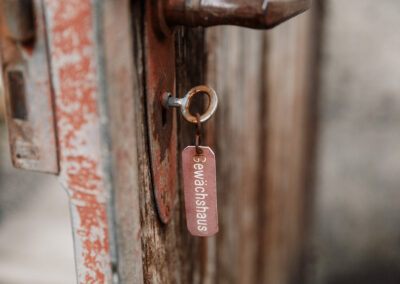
(29, 98)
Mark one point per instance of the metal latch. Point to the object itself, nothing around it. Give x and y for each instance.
(29, 100)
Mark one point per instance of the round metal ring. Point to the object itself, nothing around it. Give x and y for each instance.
(212, 105)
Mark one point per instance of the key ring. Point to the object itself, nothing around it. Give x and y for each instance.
(184, 103)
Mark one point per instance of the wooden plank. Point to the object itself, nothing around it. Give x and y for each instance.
(287, 78)
(190, 70)
(261, 136)
(235, 70)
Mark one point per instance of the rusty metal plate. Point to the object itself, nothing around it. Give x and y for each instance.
(29, 100)
(160, 78)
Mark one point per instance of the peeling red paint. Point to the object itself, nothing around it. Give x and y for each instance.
(84, 175)
(73, 50)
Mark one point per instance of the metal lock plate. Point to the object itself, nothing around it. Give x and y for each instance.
(160, 78)
(28, 92)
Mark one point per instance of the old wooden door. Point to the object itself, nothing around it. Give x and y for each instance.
(261, 135)
(116, 149)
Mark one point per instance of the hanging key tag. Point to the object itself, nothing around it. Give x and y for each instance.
(199, 170)
(200, 186)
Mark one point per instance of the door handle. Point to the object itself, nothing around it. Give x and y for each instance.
(255, 14)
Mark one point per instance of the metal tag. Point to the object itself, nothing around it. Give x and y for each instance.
(200, 187)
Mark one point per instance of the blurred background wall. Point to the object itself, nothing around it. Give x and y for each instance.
(356, 234)
(36, 244)
(356, 222)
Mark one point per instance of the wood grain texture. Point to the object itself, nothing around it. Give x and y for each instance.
(235, 71)
(261, 136)
(287, 78)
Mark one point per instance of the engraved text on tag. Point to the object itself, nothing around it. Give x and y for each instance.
(199, 180)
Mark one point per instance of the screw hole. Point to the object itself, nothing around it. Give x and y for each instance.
(17, 94)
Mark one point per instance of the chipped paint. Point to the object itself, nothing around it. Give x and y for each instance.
(73, 64)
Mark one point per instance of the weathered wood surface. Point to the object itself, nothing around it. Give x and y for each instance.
(260, 136)
(169, 253)
(236, 70)
(287, 107)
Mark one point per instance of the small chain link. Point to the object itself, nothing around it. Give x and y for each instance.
(199, 151)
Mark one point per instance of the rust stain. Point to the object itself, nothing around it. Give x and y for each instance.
(73, 52)
(160, 78)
